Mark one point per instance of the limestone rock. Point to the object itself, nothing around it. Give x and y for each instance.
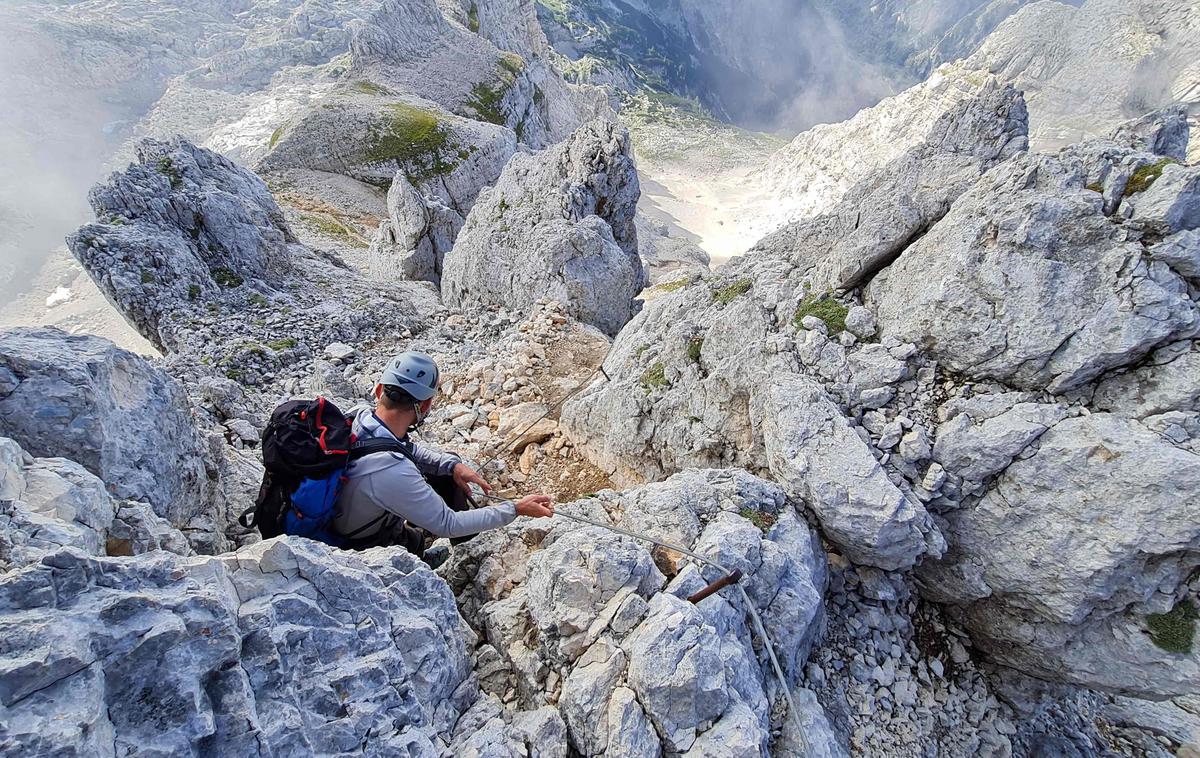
(845, 247)
(235, 654)
(584, 619)
(668, 254)
(675, 668)
(812, 449)
(1055, 570)
(1086, 69)
(526, 420)
(1027, 241)
(819, 168)
(557, 224)
(981, 436)
(1168, 380)
(123, 419)
(177, 227)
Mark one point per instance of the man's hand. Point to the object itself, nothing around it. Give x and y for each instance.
(535, 506)
(465, 476)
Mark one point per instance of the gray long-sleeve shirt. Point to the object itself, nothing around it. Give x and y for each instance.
(390, 482)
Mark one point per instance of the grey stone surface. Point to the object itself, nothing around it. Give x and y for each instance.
(1037, 286)
(886, 211)
(584, 620)
(557, 224)
(286, 646)
(176, 227)
(1055, 570)
(123, 419)
(812, 450)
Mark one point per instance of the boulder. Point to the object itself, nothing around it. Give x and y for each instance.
(287, 646)
(844, 247)
(980, 436)
(812, 450)
(111, 411)
(1035, 285)
(558, 224)
(178, 227)
(597, 623)
(525, 419)
(1057, 570)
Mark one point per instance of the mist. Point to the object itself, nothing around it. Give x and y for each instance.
(57, 133)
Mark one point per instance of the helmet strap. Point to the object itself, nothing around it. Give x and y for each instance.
(420, 416)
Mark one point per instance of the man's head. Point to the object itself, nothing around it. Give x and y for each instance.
(409, 382)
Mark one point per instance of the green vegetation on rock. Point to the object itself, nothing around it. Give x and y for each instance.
(1174, 631)
(473, 18)
(694, 348)
(226, 278)
(764, 521)
(825, 308)
(1145, 176)
(655, 377)
(364, 87)
(1096, 187)
(330, 227)
(147, 277)
(275, 137)
(670, 286)
(487, 99)
(415, 139)
(167, 167)
(728, 294)
(194, 292)
(287, 343)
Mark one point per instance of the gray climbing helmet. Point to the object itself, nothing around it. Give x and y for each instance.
(415, 373)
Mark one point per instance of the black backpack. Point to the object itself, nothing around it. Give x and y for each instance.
(306, 447)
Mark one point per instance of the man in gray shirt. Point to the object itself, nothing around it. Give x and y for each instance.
(396, 497)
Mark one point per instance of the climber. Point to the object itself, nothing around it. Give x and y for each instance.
(421, 490)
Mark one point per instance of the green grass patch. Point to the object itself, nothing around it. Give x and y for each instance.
(670, 286)
(194, 292)
(487, 99)
(641, 349)
(1146, 176)
(364, 87)
(330, 227)
(147, 277)
(287, 343)
(512, 63)
(655, 377)
(1096, 187)
(167, 167)
(727, 295)
(764, 521)
(413, 138)
(257, 300)
(825, 308)
(275, 137)
(226, 278)
(473, 18)
(1174, 631)
(695, 346)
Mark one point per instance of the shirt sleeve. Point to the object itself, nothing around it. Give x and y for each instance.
(432, 461)
(400, 489)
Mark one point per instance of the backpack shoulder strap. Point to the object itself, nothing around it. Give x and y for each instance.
(372, 446)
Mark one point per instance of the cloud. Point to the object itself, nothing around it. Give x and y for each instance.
(55, 137)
